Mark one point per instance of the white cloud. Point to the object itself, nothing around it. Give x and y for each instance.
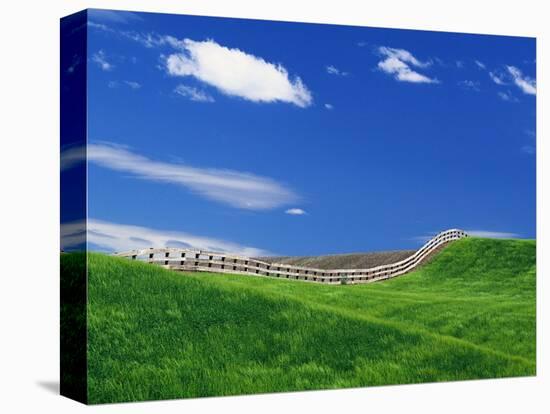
(479, 64)
(237, 189)
(236, 73)
(113, 84)
(231, 71)
(193, 94)
(114, 237)
(398, 62)
(333, 70)
(528, 149)
(295, 212)
(101, 60)
(329, 106)
(507, 96)
(526, 84)
(459, 64)
(497, 78)
(492, 234)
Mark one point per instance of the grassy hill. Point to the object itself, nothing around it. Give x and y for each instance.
(158, 334)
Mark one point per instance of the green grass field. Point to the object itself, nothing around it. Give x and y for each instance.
(159, 334)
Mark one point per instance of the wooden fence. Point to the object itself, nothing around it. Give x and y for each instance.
(204, 261)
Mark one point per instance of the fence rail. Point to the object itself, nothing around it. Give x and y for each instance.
(205, 261)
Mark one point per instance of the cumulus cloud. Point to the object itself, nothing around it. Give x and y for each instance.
(193, 94)
(333, 70)
(235, 188)
(229, 70)
(115, 237)
(295, 212)
(236, 73)
(100, 59)
(526, 84)
(398, 62)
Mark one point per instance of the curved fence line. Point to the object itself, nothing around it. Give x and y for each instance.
(204, 261)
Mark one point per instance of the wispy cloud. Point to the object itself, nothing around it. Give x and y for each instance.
(133, 84)
(236, 73)
(193, 94)
(235, 188)
(72, 156)
(74, 64)
(525, 83)
(398, 62)
(488, 234)
(130, 84)
(469, 84)
(333, 70)
(329, 106)
(115, 237)
(100, 58)
(530, 149)
(480, 64)
(498, 78)
(295, 212)
(507, 96)
(113, 16)
(515, 76)
(474, 233)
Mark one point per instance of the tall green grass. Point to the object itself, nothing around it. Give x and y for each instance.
(159, 334)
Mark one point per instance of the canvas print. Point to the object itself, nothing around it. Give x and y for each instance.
(257, 206)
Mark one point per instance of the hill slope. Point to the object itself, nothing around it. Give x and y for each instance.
(342, 261)
(157, 334)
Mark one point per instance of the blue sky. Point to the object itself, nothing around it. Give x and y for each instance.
(285, 138)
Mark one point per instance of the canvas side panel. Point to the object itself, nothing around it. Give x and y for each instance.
(73, 177)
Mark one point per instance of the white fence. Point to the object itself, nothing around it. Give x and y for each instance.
(204, 261)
